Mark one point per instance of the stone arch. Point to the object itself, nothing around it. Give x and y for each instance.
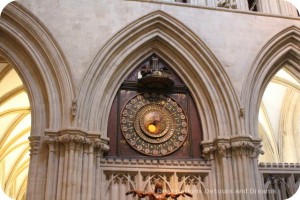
(41, 65)
(162, 34)
(282, 50)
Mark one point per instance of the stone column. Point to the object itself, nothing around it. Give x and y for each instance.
(35, 142)
(51, 169)
(236, 167)
(246, 151)
(100, 148)
(208, 151)
(219, 152)
(72, 170)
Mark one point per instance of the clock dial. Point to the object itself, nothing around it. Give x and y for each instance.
(154, 124)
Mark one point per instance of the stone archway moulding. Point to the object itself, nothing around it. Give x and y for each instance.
(282, 50)
(41, 66)
(160, 33)
(27, 45)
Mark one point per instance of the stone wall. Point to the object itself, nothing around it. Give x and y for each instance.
(73, 56)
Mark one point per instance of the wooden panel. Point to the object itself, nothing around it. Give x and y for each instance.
(129, 89)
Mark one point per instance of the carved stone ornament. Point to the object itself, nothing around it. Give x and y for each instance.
(154, 124)
(102, 145)
(34, 144)
(242, 145)
(250, 148)
(224, 149)
(76, 137)
(207, 150)
(227, 4)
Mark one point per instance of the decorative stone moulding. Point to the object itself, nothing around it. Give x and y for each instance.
(75, 136)
(279, 165)
(279, 168)
(240, 144)
(155, 163)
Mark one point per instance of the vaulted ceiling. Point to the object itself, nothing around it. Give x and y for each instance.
(15, 123)
(279, 118)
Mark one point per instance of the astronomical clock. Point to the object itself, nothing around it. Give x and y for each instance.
(154, 124)
(153, 115)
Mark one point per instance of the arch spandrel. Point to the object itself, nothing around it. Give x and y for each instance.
(159, 33)
(282, 49)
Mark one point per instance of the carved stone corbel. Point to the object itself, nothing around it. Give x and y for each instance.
(208, 150)
(102, 145)
(257, 151)
(34, 142)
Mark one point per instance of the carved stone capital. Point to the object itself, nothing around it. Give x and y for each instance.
(219, 145)
(244, 145)
(74, 137)
(240, 144)
(224, 149)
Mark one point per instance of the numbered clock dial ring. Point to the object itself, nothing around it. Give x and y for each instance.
(154, 124)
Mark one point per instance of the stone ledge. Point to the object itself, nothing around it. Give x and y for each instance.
(155, 162)
(216, 8)
(279, 165)
(279, 168)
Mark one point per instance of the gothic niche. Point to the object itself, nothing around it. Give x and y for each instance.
(154, 116)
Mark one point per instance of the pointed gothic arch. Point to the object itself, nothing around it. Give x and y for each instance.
(41, 65)
(163, 35)
(32, 51)
(282, 50)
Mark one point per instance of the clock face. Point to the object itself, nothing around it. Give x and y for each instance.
(154, 124)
